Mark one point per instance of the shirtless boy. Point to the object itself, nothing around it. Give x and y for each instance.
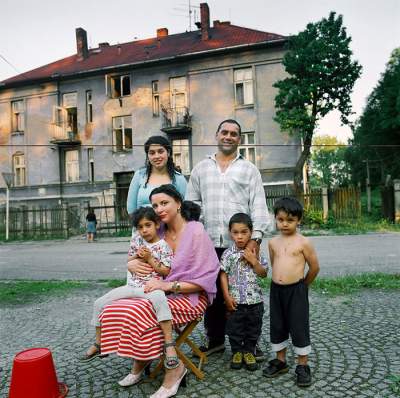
(289, 252)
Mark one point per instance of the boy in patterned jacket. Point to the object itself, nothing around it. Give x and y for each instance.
(240, 269)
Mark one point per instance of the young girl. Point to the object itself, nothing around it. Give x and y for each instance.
(147, 246)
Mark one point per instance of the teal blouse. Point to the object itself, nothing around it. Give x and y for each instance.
(138, 194)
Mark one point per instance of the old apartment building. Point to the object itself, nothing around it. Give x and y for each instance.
(73, 131)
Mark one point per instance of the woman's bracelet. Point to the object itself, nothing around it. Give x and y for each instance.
(176, 287)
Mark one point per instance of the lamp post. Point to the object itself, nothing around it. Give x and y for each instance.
(8, 177)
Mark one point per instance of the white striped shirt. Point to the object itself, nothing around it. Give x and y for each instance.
(238, 189)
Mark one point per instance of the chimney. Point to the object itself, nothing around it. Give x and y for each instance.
(81, 43)
(162, 32)
(205, 21)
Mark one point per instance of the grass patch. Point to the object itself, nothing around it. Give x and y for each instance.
(394, 384)
(351, 283)
(22, 292)
(113, 283)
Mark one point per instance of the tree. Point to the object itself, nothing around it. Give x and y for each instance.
(328, 165)
(377, 132)
(321, 79)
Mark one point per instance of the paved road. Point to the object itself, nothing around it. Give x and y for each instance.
(76, 259)
(354, 339)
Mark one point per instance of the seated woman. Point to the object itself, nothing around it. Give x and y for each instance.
(129, 326)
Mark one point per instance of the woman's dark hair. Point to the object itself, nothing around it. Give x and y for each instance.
(164, 142)
(144, 212)
(190, 211)
(290, 206)
(241, 218)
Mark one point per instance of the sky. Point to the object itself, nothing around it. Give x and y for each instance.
(36, 32)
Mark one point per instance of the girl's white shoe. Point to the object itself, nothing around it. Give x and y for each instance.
(163, 392)
(130, 379)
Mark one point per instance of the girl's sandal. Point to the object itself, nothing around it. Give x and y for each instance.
(170, 362)
(95, 354)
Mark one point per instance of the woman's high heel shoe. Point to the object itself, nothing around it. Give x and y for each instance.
(163, 392)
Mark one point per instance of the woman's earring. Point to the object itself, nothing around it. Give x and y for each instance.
(179, 210)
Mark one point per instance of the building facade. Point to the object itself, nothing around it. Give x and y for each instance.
(73, 131)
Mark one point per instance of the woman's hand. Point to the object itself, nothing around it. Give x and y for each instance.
(156, 284)
(138, 267)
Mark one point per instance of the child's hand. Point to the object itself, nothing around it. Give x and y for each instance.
(144, 253)
(230, 303)
(250, 256)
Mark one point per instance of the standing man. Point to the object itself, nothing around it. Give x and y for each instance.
(225, 184)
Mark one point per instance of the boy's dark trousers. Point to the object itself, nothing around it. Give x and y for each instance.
(214, 318)
(244, 327)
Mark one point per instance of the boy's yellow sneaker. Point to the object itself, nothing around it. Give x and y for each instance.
(250, 361)
(237, 360)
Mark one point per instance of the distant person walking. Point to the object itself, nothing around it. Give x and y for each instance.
(91, 223)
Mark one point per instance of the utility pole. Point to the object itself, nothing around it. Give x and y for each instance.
(368, 187)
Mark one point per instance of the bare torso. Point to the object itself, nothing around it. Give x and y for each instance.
(287, 258)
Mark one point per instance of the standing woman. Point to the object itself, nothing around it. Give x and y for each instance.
(159, 170)
(91, 223)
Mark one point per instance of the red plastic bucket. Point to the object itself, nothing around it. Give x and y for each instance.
(34, 376)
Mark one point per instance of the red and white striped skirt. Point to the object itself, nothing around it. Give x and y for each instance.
(129, 327)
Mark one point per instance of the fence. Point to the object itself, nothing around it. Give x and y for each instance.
(342, 203)
(62, 221)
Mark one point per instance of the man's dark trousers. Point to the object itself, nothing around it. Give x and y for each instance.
(214, 318)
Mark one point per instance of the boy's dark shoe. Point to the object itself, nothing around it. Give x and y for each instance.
(275, 368)
(259, 354)
(237, 360)
(303, 375)
(212, 348)
(250, 361)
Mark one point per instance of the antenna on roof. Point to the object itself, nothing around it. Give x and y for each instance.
(190, 11)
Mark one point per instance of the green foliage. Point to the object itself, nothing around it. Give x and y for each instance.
(378, 130)
(313, 218)
(354, 283)
(22, 292)
(321, 78)
(394, 384)
(113, 283)
(328, 166)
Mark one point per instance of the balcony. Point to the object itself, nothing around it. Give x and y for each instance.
(62, 134)
(176, 120)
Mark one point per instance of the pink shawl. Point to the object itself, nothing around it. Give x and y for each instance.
(195, 261)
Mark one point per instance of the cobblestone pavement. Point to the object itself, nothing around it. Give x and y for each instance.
(355, 347)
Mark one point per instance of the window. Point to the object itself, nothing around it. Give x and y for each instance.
(19, 169)
(89, 107)
(248, 151)
(180, 155)
(18, 116)
(156, 98)
(90, 164)
(177, 87)
(122, 132)
(243, 86)
(120, 86)
(70, 105)
(72, 166)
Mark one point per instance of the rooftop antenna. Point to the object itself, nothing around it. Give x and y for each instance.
(190, 11)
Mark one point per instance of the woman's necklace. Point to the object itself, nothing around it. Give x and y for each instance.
(175, 237)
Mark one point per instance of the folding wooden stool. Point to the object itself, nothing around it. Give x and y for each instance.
(183, 334)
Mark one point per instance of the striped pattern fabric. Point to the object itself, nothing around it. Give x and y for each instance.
(129, 327)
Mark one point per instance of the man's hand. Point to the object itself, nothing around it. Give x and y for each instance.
(230, 303)
(138, 267)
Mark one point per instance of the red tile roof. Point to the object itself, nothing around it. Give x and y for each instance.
(222, 36)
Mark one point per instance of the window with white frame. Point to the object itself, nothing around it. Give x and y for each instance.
(177, 88)
(122, 133)
(181, 155)
(247, 147)
(120, 86)
(90, 164)
(19, 169)
(243, 86)
(18, 116)
(89, 107)
(155, 98)
(72, 166)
